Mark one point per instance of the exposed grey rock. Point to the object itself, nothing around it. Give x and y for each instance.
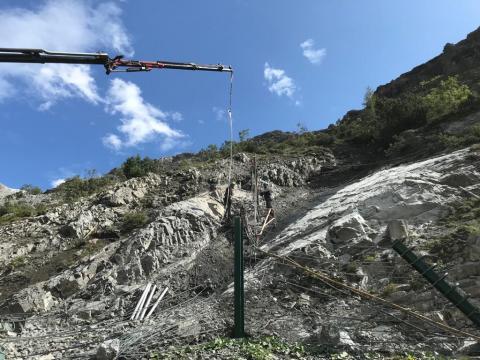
(411, 192)
(241, 157)
(469, 347)
(32, 299)
(397, 230)
(332, 335)
(281, 175)
(460, 179)
(5, 191)
(108, 350)
(184, 247)
(348, 229)
(132, 191)
(465, 270)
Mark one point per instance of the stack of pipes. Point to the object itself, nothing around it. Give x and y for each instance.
(144, 302)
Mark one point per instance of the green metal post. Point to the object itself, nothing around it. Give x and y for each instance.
(239, 330)
(439, 282)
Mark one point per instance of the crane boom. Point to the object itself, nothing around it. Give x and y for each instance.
(118, 63)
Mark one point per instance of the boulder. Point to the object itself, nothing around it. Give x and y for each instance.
(84, 225)
(108, 350)
(31, 299)
(350, 228)
(333, 336)
(241, 157)
(469, 348)
(122, 196)
(71, 281)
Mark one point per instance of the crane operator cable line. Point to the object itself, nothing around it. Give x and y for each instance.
(230, 124)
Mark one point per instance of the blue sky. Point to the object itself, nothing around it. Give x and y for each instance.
(307, 61)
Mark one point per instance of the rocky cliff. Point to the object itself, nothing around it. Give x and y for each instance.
(73, 276)
(5, 191)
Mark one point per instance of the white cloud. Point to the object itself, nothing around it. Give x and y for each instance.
(112, 141)
(57, 182)
(315, 56)
(176, 116)
(219, 113)
(59, 25)
(278, 81)
(140, 120)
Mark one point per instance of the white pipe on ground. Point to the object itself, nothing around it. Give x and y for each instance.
(156, 303)
(142, 301)
(147, 303)
(138, 303)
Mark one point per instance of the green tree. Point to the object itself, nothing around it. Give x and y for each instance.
(225, 148)
(211, 152)
(244, 134)
(301, 128)
(212, 148)
(135, 166)
(30, 189)
(369, 98)
(446, 98)
(91, 173)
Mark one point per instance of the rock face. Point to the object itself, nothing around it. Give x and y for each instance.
(418, 193)
(295, 172)
(4, 191)
(179, 232)
(131, 192)
(73, 271)
(344, 236)
(457, 59)
(33, 299)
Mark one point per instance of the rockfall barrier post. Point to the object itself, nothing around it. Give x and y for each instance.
(239, 329)
(398, 234)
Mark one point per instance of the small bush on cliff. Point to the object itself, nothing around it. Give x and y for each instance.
(211, 152)
(30, 189)
(76, 187)
(445, 99)
(383, 118)
(467, 137)
(135, 166)
(17, 262)
(133, 220)
(11, 211)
